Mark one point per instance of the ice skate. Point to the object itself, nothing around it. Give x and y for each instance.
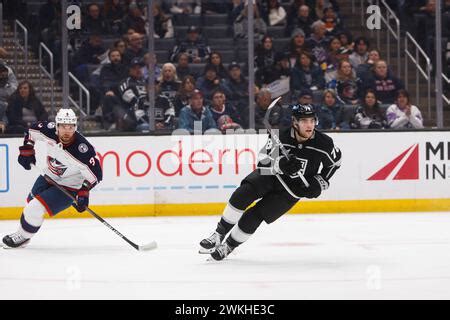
(208, 245)
(14, 240)
(221, 252)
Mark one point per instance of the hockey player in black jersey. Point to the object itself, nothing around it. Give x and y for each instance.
(71, 161)
(279, 181)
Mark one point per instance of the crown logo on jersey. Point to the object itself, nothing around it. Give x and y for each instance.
(56, 167)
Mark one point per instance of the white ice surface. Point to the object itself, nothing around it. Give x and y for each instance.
(345, 256)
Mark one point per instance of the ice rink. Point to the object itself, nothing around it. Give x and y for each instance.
(341, 256)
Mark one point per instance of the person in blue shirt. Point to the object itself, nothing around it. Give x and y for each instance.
(195, 117)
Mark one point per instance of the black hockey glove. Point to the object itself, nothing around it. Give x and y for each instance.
(287, 167)
(316, 185)
(82, 200)
(26, 156)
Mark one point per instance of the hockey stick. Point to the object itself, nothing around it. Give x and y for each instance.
(278, 142)
(149, 246)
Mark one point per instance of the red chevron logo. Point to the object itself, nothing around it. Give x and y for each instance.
(403, 167)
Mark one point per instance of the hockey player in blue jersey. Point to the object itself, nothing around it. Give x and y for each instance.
(71, 162)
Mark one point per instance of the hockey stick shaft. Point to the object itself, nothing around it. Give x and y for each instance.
(110, 227)
(277, 139)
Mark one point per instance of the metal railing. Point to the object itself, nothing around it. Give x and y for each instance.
(49, 75)
(446, 99)
(1, 24)
(24, 48)
(391, 30)
(79, 105)
(415, 58)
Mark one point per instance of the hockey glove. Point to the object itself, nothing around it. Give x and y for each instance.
(82, 200)
(26, 156)
(317, 184)
(287, 167)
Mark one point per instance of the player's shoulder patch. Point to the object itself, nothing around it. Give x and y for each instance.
(51, 125)
(83, 148)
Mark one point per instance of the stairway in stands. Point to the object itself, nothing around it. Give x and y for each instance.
(353, 23)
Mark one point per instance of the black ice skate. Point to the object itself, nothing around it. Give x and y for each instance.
(210, 244)
(222, 252)
(14, 240)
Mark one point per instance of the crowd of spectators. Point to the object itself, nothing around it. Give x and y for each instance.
(346, 80)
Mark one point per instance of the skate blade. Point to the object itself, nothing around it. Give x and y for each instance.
(206, 251)
(6, 247)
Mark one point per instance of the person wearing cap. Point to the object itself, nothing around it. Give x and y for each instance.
(196, 118)
(236, 86)
(194, 45)
(8, 85)
(295, 46)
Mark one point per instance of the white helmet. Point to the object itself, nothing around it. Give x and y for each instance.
(66, 116)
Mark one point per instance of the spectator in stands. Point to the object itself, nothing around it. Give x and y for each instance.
(221, 111)
(91, 51)
(112, 73)
(273, 13)
(318, 43)
(346, 40)
(332, 22)
(164, 112)
(168, 83)
(182, 97)
(196, 118)
(278, 117)
(264, 53)
(8, 84)
(135, 48)
(183, 68)
(215, 60)
(301, 20)
(48, 13)
(163, 27)
(24, 108)
(307, 75)
(385, 84)
(194, 45)
(369, 115)
(345, 83)
(360, 54)
(151, 60)
(236, 86)
(209, 82)
(280, 69)
(94, 21)
(330, 112)
(304, 97)
(114, 11)
(364, 70)
(403, 115)
(336, 52)
(241, 23)
(180, 9)
(296, 46)
(134, 19)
